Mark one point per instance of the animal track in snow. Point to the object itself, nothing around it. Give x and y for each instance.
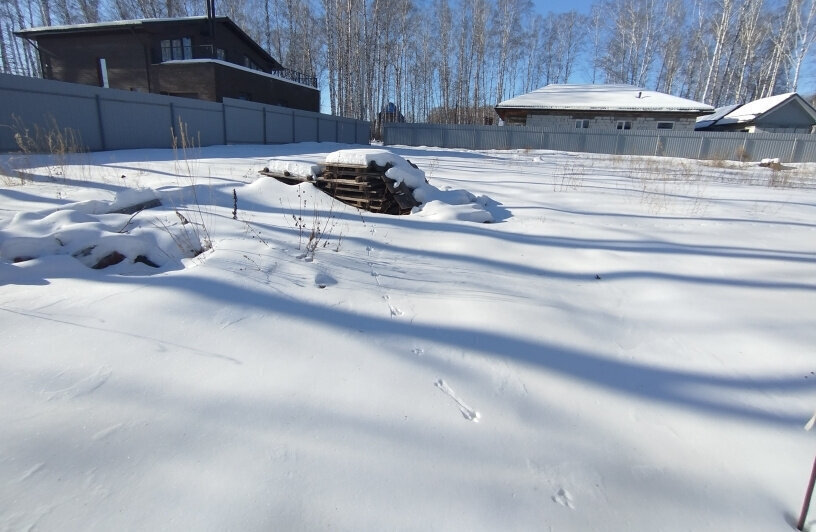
(31, 471)
(395, 311)
(80, 387)
(467, 412)
(104, 433)
(564, 498)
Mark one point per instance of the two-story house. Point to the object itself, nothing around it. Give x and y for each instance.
(208, 58)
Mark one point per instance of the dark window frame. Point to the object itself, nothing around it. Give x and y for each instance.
(176, 49)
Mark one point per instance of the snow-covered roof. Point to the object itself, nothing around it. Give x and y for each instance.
(751, 110)
(603, 97)
(718, 113)
(741, 114)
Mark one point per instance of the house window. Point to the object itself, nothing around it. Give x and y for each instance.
(249, 63)
(221, 54)
(623, 124)
(581, 124)
(175, 49)
(665, 125)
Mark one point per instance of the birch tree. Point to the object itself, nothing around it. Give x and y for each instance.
(804, 33)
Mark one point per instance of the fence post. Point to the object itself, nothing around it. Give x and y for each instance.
(263, 110)
(173, 121)
(101, 124)
(224, 121)
(793, 150)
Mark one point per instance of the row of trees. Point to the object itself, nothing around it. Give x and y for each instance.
(452, 60)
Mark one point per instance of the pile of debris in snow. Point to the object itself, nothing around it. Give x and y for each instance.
(380, 181)
(373, 180)
(101, 234)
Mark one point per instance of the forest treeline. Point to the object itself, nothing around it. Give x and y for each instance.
(451, 61)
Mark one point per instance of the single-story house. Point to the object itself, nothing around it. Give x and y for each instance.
(606, 107)
(783, 113)
(207, 58)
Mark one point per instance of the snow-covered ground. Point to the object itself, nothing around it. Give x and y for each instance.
(628, 346)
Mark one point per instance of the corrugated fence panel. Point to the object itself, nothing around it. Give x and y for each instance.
(566, 141)
(326, 129)
(494, 139)
(115, 119)
(363, 132)
(726, 148)
(460, 138)
(149, 125)
(600, 142)
(346, 132)
(638, 144)
(305, 127)
(787, 147)
(757, 149)
(204, 121)
(43, 104)
(687, 147)
(806, 151)
(280, 125)
(244, 122)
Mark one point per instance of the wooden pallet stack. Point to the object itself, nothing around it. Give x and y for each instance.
(364, 187)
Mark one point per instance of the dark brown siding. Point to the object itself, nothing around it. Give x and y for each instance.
(192, 80)
(133, 58)
(237, 83)
(74, 58)
(199, 33)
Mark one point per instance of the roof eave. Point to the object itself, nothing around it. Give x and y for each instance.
(608, 109)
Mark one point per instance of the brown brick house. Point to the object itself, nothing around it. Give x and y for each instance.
(196, 57)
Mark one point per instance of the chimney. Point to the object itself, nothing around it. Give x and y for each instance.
(211, 23)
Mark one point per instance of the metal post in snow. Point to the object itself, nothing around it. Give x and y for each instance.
(808, 495)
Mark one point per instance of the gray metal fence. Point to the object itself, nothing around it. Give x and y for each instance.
(110, 119)
(787, 147)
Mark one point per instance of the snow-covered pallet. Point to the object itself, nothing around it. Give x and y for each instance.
(364, 187)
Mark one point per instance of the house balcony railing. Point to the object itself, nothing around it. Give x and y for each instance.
(207, 52)
(297, 77)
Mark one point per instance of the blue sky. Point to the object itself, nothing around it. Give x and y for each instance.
(558, 6)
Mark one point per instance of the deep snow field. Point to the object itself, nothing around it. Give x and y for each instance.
(630, 345)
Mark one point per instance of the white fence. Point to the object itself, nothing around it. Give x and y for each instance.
(111, 119)
(787, 147)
